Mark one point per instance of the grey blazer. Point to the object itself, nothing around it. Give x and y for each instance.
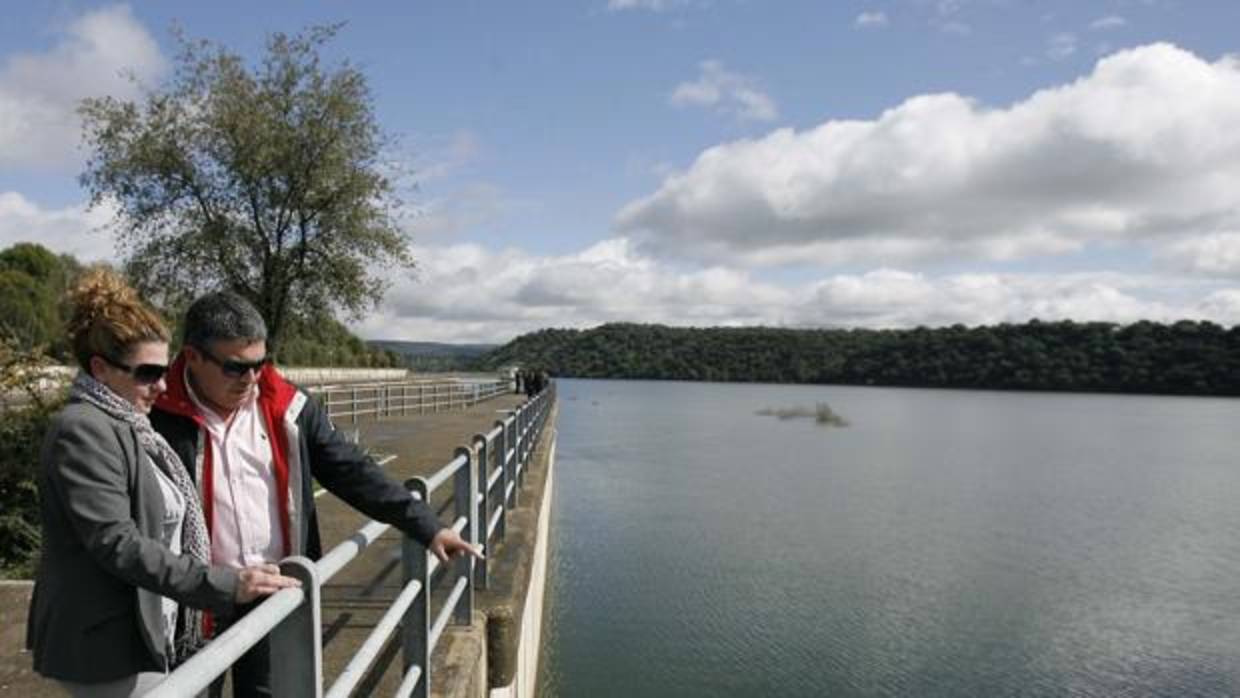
(102, 511)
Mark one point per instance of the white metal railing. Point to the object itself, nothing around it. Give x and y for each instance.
(387, 399)
(291, 619)
(502, 455)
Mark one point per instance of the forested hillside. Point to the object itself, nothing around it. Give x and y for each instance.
(1186, 357)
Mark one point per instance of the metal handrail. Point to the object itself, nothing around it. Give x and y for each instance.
(505, 466)
(291, 618)
(393, 397)
(200, 670)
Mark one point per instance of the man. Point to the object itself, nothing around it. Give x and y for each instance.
(253, 443)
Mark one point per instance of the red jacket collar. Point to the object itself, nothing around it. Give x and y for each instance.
(274, 393)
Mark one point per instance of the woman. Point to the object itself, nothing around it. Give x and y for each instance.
(126, 560)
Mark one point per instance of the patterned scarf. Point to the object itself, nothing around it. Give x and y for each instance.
(189, 632)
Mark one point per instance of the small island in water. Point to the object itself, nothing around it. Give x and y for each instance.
(822, 413)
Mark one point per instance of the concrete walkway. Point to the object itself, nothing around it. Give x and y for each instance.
(356, 597)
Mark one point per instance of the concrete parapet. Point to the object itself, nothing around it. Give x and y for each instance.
(459, 669)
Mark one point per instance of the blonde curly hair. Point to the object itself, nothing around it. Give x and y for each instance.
(109, 319)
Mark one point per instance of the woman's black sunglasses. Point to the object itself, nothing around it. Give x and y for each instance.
(145, 374)
(235, 369)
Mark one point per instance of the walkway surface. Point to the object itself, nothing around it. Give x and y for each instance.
(355, 598)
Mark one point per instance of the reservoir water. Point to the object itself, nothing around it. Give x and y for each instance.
(944, 543)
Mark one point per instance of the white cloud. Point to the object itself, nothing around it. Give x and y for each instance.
(1060, 46)
(954, 27)
(868, 20)
(948, 7)
(889, 298)
(1108, 22)
(469, 293)
(39, 92)
(469, 207)
(1147, 146)
(436, 157)
(74, 229)
(726, 92)
(1222, 306)
(651, 5)
(466, 292)
(1217, 254)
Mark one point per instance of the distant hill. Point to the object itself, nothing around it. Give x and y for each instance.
(431, 348)
(1186, 357)
(434, 356)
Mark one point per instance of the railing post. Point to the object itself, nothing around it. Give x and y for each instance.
(529, 455)
(483, 510)
(526, 410)
(463, 489)
(416, 628)
(297, 643)
(501, 460)
(404, 399)
(518, 444)
(354, 409)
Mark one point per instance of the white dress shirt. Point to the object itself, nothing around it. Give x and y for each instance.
(245, 526)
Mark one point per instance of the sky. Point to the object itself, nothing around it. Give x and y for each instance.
(726, 162)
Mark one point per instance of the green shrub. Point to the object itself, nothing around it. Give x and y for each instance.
(25, 406)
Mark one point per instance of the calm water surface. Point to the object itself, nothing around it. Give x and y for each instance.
(946, 543)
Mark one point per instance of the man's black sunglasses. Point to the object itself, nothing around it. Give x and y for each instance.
(235, 369)
(145, 374)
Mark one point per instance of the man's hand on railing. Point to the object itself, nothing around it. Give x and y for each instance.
(448, 544)
(261, 580)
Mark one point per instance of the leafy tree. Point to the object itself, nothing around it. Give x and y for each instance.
(33, 281)
(27, 310)
(264, 179)
(31, 259)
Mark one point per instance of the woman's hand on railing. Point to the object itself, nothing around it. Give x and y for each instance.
(261, 580)
(448, 544)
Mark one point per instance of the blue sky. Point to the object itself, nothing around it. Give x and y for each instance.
(707, 162)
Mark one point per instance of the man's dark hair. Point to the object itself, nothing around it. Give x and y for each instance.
(222, 316)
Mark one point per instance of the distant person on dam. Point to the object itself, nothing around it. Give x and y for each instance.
(125, 562)
(257, 443)
(537, 381)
